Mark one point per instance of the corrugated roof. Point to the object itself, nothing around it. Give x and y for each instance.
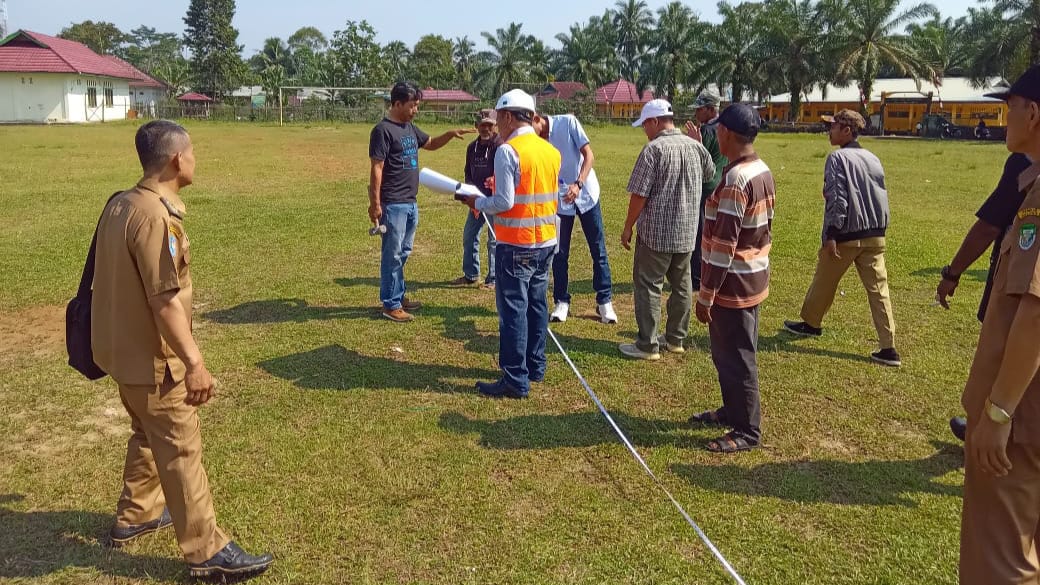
(191, 96)
(953, 89)
(138, 78)
(563, 90)
(447, 95)
(32, 52)
(622, 92)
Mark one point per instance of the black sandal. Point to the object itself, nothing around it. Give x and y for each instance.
(711, 418)
(731, 442)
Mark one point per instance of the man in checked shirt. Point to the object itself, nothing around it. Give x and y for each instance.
(738, 221)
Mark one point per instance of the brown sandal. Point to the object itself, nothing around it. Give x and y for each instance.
(732, 442)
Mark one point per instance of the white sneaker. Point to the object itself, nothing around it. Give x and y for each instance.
(559, 314)
(630, 350)
(606, 313)
(663, 342)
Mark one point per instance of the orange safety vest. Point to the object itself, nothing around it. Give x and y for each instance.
(532, 219)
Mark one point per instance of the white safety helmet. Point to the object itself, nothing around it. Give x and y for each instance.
(516, 99)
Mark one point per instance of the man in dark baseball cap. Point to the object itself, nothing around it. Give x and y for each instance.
(741, 119)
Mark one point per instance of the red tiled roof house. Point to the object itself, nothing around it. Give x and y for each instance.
(44, 79)
(620, 99)
(446, 100)
(560, 90)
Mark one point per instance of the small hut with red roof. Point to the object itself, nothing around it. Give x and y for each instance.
(621, 99)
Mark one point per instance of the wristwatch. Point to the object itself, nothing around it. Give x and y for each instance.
(997, 414)
(948, 275)
(579, 184)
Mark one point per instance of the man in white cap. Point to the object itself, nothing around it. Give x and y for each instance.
(524, 205)
(665, 195)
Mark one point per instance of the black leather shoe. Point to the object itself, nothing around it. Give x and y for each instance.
(233, 561)
(121, 535)
(500, 389)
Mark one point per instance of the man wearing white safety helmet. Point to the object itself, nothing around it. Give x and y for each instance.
(524, 205)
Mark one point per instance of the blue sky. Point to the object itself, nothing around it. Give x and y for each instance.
(404, 20)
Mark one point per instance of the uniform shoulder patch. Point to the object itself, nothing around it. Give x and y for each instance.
(173, 245)
(1026, 212)
(1026, 236)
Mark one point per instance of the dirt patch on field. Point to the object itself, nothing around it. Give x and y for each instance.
(32, 331)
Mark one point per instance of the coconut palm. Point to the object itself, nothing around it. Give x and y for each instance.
(795, 48)
(396, 58)
(670, 61)
(583, 56)
(866, 39)
(463, 57)
(632, 21)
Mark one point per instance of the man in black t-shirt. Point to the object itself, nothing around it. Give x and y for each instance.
(393, 149)
(994, 218)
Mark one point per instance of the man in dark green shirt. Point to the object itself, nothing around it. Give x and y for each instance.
(706, 112)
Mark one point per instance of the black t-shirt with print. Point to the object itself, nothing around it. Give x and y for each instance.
(397, 145)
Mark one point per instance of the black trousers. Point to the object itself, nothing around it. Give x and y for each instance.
(734, 346)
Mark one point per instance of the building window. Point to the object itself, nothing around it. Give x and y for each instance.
(91, 97)
(109, 97)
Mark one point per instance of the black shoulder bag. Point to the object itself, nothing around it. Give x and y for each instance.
(77, 316)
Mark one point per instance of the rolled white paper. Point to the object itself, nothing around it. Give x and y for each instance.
(437, 182)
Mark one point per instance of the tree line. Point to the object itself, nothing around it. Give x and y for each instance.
(757, 50)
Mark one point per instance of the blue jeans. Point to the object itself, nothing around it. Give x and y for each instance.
(523, 312)
(592, 225)
(400, 220)
(471, 248)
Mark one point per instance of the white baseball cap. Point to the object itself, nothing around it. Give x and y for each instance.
(654, 109)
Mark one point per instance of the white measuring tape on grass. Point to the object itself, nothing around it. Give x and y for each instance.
(628, 444)
(631, 449)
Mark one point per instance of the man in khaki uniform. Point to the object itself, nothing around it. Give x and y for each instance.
(141, 336)
(1001, 519)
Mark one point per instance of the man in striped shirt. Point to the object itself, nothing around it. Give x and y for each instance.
(735, 277)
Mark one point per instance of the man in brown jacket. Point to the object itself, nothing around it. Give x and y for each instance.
(141, 336)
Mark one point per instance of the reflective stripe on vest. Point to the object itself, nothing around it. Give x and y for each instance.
(532, 219)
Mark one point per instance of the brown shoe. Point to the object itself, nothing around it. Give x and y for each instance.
(463, 281)
(410, 305)
(398, 315)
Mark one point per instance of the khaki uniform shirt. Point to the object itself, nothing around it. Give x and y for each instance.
(1018, 273)
(142, 252)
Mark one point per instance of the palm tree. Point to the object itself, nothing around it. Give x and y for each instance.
(1003, 44)
(463, 56)
(795, 48)
(866, 40)
(396, 58)
(734, 53)
(276, 52)
(942, 43)
(508, 61)
(669, 62)
(632, 22)
(582, 57)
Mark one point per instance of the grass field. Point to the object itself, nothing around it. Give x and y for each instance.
(357, 451)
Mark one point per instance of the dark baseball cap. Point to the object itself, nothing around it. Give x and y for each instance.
(1027, 86)
(742, 119)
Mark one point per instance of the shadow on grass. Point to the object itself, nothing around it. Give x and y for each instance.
(300, 311)
(870, 483)
(580, 429)
(977, 274)
(584, 287)
(782, 341)
(334, 367)
(413, 285)
(36, 544)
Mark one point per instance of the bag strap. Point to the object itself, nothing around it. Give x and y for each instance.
(87, 280)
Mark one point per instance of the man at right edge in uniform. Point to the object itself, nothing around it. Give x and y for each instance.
(1000, 524)
(141, 336)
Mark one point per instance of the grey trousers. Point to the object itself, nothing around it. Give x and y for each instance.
(734, 343)
(649, 271)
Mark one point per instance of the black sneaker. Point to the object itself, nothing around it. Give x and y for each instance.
(121, 535)
(500, 389)
(887, 357)
(232, 560)
(802, 328)
(959, 427)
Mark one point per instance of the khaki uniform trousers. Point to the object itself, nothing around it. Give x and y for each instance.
(164, 468)
(868, 255)
(1000, 524)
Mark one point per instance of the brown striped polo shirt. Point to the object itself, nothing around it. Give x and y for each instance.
(738, 220)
